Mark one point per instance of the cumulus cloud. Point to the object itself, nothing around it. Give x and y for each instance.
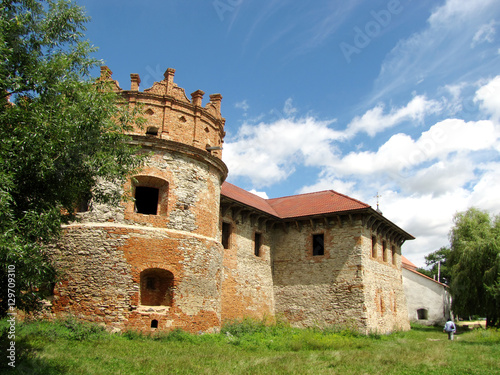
(375, 121)
(488, 97)
(269, 152)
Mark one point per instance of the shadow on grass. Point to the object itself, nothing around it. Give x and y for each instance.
(422, 328)
(26, 361)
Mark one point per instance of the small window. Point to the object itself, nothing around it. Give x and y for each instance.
(157, 287)
(152, 130)
(374, 246)
(154, 323)
(318, 244)
(257, 244)
(226, 235)
(384, 250)
(146, 200)
(422, 314)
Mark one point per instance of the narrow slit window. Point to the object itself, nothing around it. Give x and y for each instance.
(257, 244)
(146, 200)
(384, 250)
(226, 235)
(374, 246)
(318, 244)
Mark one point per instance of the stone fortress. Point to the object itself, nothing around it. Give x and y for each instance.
(191, 251)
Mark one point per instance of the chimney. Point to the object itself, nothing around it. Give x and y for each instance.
(135, 82)
(197, 96)
(215, 99)
(169, 75)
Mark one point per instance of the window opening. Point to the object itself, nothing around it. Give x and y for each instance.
(257, 244)
(146, 200)
(318, 244)
(152, 130)
(226, 234)
(374, 246)
(157, 287)
(422, 314)
(154, 323)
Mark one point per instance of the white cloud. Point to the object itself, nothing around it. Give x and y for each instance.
(288, 108)
(488, 97)
(485, 34)
(261, 194)
(269, 152)
(242, 105)
(440, 51)
(375, 121)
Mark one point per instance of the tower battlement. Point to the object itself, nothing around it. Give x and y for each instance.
(171, 115)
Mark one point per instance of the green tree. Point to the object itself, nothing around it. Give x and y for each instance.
(61, 133)
(437, 263)
(475, 265)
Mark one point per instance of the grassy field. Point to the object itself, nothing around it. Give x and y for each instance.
(248, 348)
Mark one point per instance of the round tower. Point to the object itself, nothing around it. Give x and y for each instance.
(155, 261)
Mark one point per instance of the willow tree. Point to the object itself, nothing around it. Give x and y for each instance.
(61, 132)
(475, 265)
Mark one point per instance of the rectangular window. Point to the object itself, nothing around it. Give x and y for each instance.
(146, 200)
(226, 234)
(374, 246)
(318, 244)
(257, 244)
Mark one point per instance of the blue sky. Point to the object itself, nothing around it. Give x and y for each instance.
(398, 97)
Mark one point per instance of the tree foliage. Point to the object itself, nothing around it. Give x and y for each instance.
(437, 264)
(475, 265)
(61, 132)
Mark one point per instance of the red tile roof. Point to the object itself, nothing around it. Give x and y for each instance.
(318, 203)
(301, 205)
(406, 263)
(238, 194)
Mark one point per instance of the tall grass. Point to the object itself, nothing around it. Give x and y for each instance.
(249, 347)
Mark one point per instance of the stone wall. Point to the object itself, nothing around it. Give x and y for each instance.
(324, 289)
(385, 302)
(247, 280)
(104, 254)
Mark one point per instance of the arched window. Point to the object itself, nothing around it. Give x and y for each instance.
(157, 286)
(151, 195)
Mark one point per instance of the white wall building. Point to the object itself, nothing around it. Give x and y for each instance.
(428, 301)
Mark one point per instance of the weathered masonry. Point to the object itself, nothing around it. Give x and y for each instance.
(190, 250)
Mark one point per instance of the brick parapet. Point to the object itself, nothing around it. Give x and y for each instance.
(169, 114)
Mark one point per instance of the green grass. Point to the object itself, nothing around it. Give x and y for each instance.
(248, 347)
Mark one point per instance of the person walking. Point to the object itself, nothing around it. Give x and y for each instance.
(450, 328)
